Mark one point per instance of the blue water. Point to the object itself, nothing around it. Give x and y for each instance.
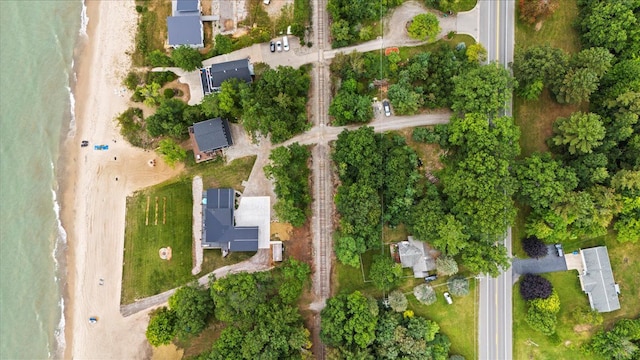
(37, 40)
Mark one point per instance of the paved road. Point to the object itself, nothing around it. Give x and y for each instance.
(495, 335)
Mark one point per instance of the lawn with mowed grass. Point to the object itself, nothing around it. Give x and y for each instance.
(530, 344)
(458, 320)
(161, 216)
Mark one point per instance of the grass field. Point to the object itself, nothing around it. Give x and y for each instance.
(161, 216)
(458, 321)
(571, 296)
(152, 28)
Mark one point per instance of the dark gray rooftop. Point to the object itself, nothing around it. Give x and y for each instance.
(212, 134)
(185, 30)
(238, 69)
(187, 5)
(597, 280)
(219, 230)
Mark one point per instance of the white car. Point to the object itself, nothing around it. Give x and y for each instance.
(448, 298)
(279, 46)
(266, 2)
(387, 108)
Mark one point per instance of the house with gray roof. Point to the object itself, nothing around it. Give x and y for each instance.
(184, 28)
(212, 77)
(596, 279)
(416, 255)
(208, 137)
(219, 230)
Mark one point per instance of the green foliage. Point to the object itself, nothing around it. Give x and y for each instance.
(295, 275)
(385, 273)
(171, 152)
(424, 27)
(485, 258)
(425, 294)
(162, 327)
(612, 25)
(301, 17)
(404, 99)
(237, 297)
(358, 158)
(186, 58)
(160, 77)
(132, 80)
(168, 120)
(151, 94)
(169, 93)
(222, 45)
(542, 313)
(348, 107)
(192, 307)
(359, 207)
(451, 235)
(131, 128)
(587, 315)
(397, 301)
(543, 180)
(619, 343)
(347, 321)
(446, 265)
(348, 250)
(484, 89)
(276, 103)
(399, 188)
(581, 132)
(409, 337)
(288, 168)
(158, 58)
(458, 286)
(537, 67)
(476, 53)
(425, 135)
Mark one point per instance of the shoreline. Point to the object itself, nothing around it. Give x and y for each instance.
(92, 202)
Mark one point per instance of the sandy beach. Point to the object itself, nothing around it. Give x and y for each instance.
(93, 202)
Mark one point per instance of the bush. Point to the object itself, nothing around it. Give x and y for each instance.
(137, 95)
(424, 27)
(132, 80)
(446, 265)
(186, 58)
(425, 294)
(160, 77)
(398, 301)
(384, 272)
(586, 315)
(131, 128)
(535, 287)
(458, 286)
(425, 135)
(534, 247)
(169, 93)
(157, 58)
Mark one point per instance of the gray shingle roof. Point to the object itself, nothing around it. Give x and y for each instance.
(185, 30)
(219, 230)
(187, 5)
(238, 69)
(212, 134)
(597, 280)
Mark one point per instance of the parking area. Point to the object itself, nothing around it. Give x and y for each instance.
(550, 263)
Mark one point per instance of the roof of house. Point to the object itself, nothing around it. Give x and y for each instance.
(212, 134)
(414, 255)
(238, 69)
(187, 5)
(597, 279)
(218, 228)
(185, 30)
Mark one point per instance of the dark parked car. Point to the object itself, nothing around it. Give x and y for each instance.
(430, 278)
(84, 143)
(272, 46)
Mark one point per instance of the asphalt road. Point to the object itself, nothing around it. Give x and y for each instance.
(495, 335)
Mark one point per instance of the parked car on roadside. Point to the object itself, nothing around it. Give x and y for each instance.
(279, 46)
(387, 108)
(430, 278)
(272, 46)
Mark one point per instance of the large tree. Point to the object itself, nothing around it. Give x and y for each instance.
(348, 107)
(385, 273)
(192, 306)
(186, 58)
(535, 287)
(484, 89)
(348, 321)
(237, 297)
(162, 327)
(622, 342)
(610, 24)
(537, 67)
(580, 133)
(543, 180)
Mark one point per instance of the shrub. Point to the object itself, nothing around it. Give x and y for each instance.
(425, 135)
(157, 58)
(131, 128)
(425, 294)
(384, 272)
(160, 77)
(535, 287)
(534, 247)
(398, 301)
(169, 93)
(424, 27)
(458, 286)
(586, 315)
(186, 58)
(132, 80)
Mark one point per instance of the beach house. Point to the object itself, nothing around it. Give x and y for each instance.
(209, 137)
(224, 227)
(212, 77)
(184, 28)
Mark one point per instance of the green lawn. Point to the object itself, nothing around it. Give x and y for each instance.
(161, 216)
(408, 52)
(458, 321)
(571, 296)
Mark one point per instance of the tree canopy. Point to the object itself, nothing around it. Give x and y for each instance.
(385, 273)
(580, 133)
(484, 89)
(534, 247)
(186, 58)
(192, 307)
(424, 27)
(535, 287)
(347, 321)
